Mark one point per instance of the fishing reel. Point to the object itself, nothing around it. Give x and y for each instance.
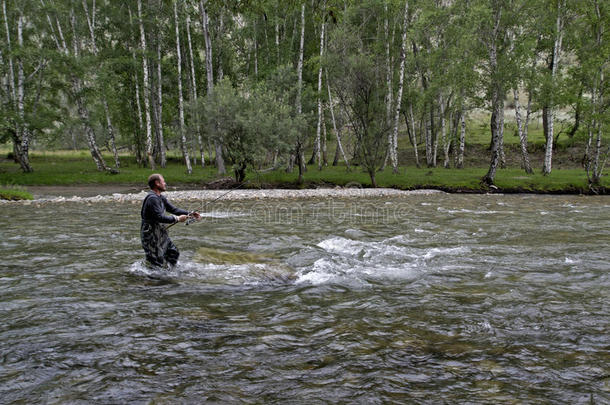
(191, 219)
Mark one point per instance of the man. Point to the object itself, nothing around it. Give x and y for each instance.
(159, 248)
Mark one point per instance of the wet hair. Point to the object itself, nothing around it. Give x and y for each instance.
(152, 179)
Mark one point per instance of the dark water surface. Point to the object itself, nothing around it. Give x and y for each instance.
(420, 299)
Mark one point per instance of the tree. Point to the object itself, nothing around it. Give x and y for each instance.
(220, 165)
(593, 52)
(358, 79)
(185, 154)
(251, 123)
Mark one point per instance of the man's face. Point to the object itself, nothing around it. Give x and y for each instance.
(161, 186)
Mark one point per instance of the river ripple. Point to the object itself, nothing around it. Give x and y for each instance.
(425, 299)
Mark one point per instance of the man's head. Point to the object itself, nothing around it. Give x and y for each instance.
(156, 182)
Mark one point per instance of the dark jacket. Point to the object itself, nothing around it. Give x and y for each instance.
(154, 207)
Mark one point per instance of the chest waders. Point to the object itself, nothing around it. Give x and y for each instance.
(158, 247)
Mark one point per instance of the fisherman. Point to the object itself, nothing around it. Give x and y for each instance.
(159, 248)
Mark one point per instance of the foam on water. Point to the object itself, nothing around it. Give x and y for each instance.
(362, 262)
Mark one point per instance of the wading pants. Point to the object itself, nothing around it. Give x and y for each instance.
(158, 247)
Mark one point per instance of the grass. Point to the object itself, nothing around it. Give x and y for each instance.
(77, 168)
(14, 193)
(465, 180)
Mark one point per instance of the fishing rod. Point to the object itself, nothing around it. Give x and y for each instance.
(192, 219)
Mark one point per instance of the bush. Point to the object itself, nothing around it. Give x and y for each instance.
(14, 195)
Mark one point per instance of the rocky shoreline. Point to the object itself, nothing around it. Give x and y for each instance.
(234, 195)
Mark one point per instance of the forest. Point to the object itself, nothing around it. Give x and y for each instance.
(277, 85)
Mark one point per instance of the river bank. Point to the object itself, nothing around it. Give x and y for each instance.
(128, 192)
(85, 194)
(74, 175)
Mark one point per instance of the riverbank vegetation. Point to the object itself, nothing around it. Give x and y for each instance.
(14, 193)
(73, 168)
(305, 91)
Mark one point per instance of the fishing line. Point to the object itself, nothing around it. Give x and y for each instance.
(191, 219)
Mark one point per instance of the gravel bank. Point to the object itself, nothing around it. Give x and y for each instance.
(238, 195)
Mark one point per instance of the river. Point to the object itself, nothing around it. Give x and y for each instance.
(416, 299)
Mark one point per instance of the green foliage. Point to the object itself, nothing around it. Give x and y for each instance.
(251, 123)
(14, 193)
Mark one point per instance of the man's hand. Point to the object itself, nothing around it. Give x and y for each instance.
(182, 218)
(195, 215)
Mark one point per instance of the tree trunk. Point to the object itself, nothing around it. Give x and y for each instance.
(16, 94)
(390, 91)
(220, 164)
(430, 158)
(159, 104)
(146, 89)
(185, 153)
(403, 51)
(446, 141)
(83, 113)
(548, 109)
(137, 96)
(373, 180)
(337, 134)
(324, 143)
(219, 53)
(525, 160)
(299, 106)
(194, 89)
(319, 126)
(496, 133)
(460, 157)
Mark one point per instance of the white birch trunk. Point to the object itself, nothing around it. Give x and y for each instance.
(277, 41)
(401, 75)
(299, 107)
(159, 106)
(16, 95)
(497, 105)
(24, 159)
(332, 116)
(146, 90)
(549, 110)
(446, 141)
(220, 164)
(137, 95)
(194, 87)
(318, 128)
(390, 91)
(255, 52)
(220, 34)
(185, 153)
(411, 123)
(525, 161)
(462, 143)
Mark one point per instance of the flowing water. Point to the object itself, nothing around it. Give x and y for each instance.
(418, 299)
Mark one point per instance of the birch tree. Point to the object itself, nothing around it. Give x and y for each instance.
(15, 92)
(553, 66)
(493, 41)
(146, 89)
(320, 111)
(401, 75)
(593, 52)
(185, 154)
(220, 165)
(194, 89)
(90, 17)
(72, 54)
